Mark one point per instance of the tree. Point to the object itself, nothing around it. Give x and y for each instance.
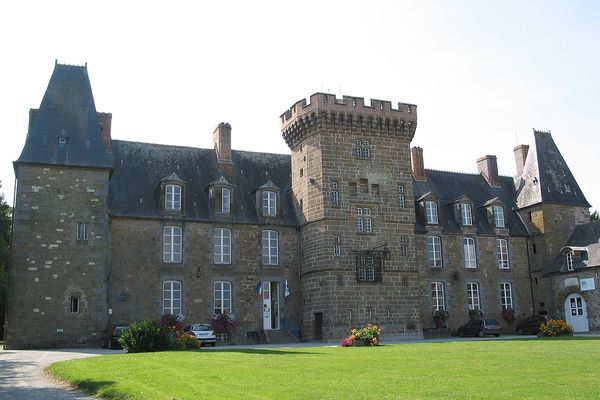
(5, 230)
(595, 216)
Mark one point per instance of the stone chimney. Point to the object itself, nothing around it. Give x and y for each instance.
(222, 142)
(105, 120)
(418, 168)
(488, 167)
(520, 157)
(32, 114)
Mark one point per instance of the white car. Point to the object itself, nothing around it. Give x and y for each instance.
(203, 333)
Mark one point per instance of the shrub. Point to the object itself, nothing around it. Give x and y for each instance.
(172, 322)
(143, 336)
(475, 314)
(556, 327)
(368, 335)
(185, 340)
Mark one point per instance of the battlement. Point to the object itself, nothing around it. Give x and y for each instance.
(326, 109)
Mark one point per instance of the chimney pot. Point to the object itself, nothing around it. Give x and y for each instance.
(418, 166)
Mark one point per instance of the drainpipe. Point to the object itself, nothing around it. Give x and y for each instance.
(530, 278)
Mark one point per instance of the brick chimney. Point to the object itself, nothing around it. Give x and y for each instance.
(105, 120)
(222, 142)
(488, 167)
(418, 167)
(520, 157)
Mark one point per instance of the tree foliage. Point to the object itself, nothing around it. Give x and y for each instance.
(5, 228)
(594, 216)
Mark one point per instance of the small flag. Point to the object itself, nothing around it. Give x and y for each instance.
(259, 288)
(286, 289)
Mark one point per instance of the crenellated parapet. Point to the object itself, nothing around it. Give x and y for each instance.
(326, 111)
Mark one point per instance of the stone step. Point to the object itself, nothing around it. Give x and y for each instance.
(280, 337)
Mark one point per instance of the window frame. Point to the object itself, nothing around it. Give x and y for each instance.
(569, 261)
(499, 218)
(473, 296)
(363, 219)
(225, 200)
(220, 298)
(222, 251)
(269, 203)
(431, 212)
(334, 194)
(171, 308)
(270, 253)
(75, 305)
(502, 253)
(170, 246)
(466, 213)
(82, 230)
(470, 252)
(506, 295)
(401, 197)
(438, 296)
(175, 201)
(434, 251)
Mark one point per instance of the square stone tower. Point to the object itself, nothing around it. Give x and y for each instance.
(353, 190)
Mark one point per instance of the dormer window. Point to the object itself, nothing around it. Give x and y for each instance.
(269, 203)
(499, 216)
(431, 212)
(569, 261)
(221, 196)
(173, 197)
(466, 214)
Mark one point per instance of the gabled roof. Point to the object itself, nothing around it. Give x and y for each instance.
(584, 238)
(546, 176)
(139, 167)
(449, 186)
(67, 111)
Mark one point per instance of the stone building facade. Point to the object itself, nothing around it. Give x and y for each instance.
(349, 229)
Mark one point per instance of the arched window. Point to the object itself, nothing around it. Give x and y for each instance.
(569, 261)
(222, 295)
(173, 197)
(270, 247)
(438, 301)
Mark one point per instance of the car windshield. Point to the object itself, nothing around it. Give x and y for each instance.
(491, 322)
(202, 328)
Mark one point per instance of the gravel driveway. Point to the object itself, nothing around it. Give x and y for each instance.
(22, 376)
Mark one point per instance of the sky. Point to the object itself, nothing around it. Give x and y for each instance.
(483, 74)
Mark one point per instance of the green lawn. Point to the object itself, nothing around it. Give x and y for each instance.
(506, 369)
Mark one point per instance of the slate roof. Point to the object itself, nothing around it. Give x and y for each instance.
(448, 187)
(138, 169)
(583, 236)
(546, 176)
(67, 110)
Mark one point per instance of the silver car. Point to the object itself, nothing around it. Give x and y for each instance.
(203, 333)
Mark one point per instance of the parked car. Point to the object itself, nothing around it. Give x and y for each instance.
(203, 333)
(480, 327)
(531, 325)
(110, 339)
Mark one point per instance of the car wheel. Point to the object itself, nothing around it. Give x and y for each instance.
(481, 334)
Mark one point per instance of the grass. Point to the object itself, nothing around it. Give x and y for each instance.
(505, 369)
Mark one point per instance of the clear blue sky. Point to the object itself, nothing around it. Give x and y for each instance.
(482, 73)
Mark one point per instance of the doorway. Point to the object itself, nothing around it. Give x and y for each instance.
(318, 326)
(576, 313)
(270, 292)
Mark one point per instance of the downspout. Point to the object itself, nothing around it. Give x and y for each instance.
(530, 278)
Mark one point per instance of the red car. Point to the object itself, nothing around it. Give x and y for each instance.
(111, 338)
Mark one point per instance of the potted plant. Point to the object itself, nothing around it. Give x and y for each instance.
(440, 317)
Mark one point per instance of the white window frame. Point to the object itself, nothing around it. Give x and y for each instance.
(364, 221)
(438, 296)
(270, 247)
(434, 251)
(498, 212)
(470, 252)
(431, 212)
(466, 214)
(225, 200)
(502, 256)
(269, 203)
(172, 297)
(569, 261)
(473, 299)
(222, 295)
(82, 231)
(75, 305)
(172, 244)
(173, 197)
(506, 295)
(222, 245)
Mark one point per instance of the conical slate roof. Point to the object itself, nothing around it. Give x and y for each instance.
(65, 130)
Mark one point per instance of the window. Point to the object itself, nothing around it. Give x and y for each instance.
(173, 197)
(506, 295)
(403, 246)
(352, 188)
(473, 296)
(222, 293)
(333, 187)
(172, 244)
(222, 246)
(401, 199)
(466, 215)
(502, 253)
(82, 231)
(569, 261)
(431, 212)
(225, 200)
(499, 216)
(368, 266)
(434, 251)
(74, 305)
(470, 254)
(270, 247)
(269, 203)
(171, 297)
(363, 219)
(361, 149)
(437, 296)
(337, 246)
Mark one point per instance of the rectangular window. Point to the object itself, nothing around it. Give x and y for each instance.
(437, 296)
(173, 197)
(222, 246)
(269, 203)
(171, 297)
(74, 304)
(337, 249)
(467, 216)
(431, 212)
(470, 254)
(473, 296)
(403, 246)
(222, 294)
(364, 222)
(569, 261)
(270, 247)
(499, 216)
(225, 200)
(368, 266)
(434, 251)
(506, 295)
(401, 199)
(361, 149)
(82, 231)
(172, 244)
(333, 186)
(502, 253)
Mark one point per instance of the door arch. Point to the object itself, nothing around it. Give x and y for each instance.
(576, 312)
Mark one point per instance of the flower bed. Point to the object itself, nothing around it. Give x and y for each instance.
(365, 336)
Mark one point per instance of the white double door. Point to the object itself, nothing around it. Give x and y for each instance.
(576, 313)
(270, 295)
